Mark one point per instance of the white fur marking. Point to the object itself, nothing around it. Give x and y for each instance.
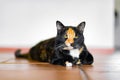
(68, 64)
(75, 53)
(68, 48)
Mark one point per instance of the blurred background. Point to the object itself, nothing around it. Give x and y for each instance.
(23, 23)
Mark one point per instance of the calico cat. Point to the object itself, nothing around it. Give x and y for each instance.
(66, 49)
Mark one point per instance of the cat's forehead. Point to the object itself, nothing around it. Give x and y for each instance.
(70, 29)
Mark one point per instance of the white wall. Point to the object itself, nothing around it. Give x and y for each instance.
(25, 22)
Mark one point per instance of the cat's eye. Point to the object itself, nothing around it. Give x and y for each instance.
(65, 36)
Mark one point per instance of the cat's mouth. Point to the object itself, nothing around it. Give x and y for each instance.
(68, 48)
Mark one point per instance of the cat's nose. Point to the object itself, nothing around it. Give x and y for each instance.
(68, 42)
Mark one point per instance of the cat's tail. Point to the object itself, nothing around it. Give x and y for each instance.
(18, 54)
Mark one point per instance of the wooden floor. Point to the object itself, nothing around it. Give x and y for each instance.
(105, 67)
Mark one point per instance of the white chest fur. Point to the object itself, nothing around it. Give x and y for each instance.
(75, 53)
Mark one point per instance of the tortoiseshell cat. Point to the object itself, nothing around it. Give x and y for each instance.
(66, 49)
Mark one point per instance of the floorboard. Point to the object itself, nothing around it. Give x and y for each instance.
(105, 67)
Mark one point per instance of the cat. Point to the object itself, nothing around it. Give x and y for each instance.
(66, 49)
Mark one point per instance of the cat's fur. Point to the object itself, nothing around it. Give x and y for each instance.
(67, 46)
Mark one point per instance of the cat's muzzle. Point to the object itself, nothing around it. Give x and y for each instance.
(68, 48)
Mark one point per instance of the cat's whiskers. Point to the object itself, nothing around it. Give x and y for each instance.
(68, 48)
(62, 45)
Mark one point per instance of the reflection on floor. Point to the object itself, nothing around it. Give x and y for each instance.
(105, 67)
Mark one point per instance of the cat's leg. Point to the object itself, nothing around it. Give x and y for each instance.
(57, 61)
(64, 60)
(86, 58)
(76, 61)
(69, 61)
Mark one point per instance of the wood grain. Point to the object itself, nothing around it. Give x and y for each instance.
(105, 67)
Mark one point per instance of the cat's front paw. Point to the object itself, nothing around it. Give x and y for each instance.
(78, 62)
(68, 64)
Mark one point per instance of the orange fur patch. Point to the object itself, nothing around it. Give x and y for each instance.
(70, 36)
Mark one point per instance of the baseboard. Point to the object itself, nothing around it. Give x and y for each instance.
(13, 49)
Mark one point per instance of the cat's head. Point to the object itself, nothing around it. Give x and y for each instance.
(69, 37)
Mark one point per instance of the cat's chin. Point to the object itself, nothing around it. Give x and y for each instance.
(68, 48)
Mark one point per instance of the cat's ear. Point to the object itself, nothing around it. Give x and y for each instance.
(59, 25)
(81, 26)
